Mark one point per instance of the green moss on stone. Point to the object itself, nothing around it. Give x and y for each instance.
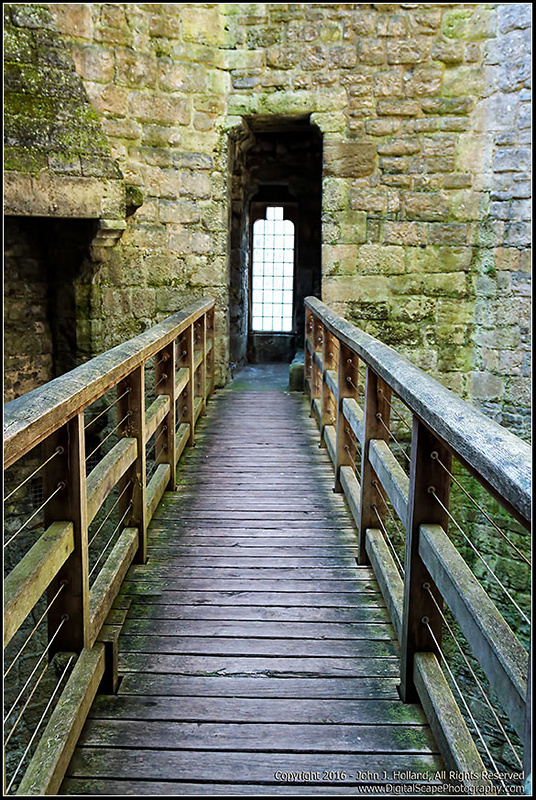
(359, 310)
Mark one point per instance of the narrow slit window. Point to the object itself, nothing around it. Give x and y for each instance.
(272, 272)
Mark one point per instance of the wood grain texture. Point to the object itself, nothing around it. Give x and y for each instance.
(250, 635)
(32, 417)
(502, 459)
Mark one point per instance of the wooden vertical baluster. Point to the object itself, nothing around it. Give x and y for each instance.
(423, 508)
(190, 389)
(203, 367)
(165, 381)
(308, 359)
(69, 504)
(527, 739)
(210, 334)
(377, 402)
(133, 404)
(328, 363)
(347, 379)
(316, 381)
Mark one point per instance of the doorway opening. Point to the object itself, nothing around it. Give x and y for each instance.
(275, 236)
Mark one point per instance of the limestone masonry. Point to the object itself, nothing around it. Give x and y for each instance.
(130, 121)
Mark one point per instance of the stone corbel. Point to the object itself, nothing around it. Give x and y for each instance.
(107, 236)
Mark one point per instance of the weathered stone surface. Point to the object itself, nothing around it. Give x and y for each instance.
(425, 112)
(349, 159)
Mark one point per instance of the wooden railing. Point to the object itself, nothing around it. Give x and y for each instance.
(53, 415)
(442, 427)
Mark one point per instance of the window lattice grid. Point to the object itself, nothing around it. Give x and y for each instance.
(273, 272)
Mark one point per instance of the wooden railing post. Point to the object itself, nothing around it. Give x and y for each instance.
(316, 377)
(308, 350)
(420, 613)
(347, 380)
(201, 389)
(376, 411)
(210, 336)
(186, 359)
(132, 407)
(165, 382)
(69, 504)
(329, 362)
(527, 739)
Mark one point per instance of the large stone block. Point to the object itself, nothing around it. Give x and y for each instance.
(408, 51)
(360, 287)
(466, 81)
(425, 205)
(73, 19)
(469, 23)
(339, 259)
(184, 241)
(349, 159)
(450, 284)
(134, 69)
(163, 109)
(93, 62)
(388, 84)
(202, 25)
(485, 386)
(412, 234)
(380, 259)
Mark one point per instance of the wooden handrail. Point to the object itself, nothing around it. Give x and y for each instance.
(498, 456)
(58, 563)
(444, 427)
(34, 416)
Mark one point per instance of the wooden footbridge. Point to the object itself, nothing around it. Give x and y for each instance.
(250, 630)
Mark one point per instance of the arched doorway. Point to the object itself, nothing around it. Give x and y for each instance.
(276, 190)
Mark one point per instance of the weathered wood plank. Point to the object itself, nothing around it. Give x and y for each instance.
(31, 418)
(457, 746)
(352, 490)
(250, 737)
(182, 438)
(387, 574)
(112, 787)
(182, 378)
(243, 561)
(330, 438)
(225, 709)
(281, 666)
(312, 587)
(167, 685)
(222, 646)
(49, 762)
(366, 597)
(356, 613)
(332, 382)
(110, 578)
(391, 475)
(156, 488)
(232, 766)
(155, 414)
(504, 460)
(353, 414)
(251, 631)
(32, 575)
(257, 629)
(168, 569)
(108, 472)
(499, 651)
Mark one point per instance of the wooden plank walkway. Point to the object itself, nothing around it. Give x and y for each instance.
(256, 657)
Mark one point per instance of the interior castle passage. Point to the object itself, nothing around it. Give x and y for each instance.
(151, 152)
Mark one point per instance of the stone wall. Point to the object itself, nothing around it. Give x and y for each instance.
(500, 382)
(423, 111)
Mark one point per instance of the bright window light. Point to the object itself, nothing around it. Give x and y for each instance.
(272, 272)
